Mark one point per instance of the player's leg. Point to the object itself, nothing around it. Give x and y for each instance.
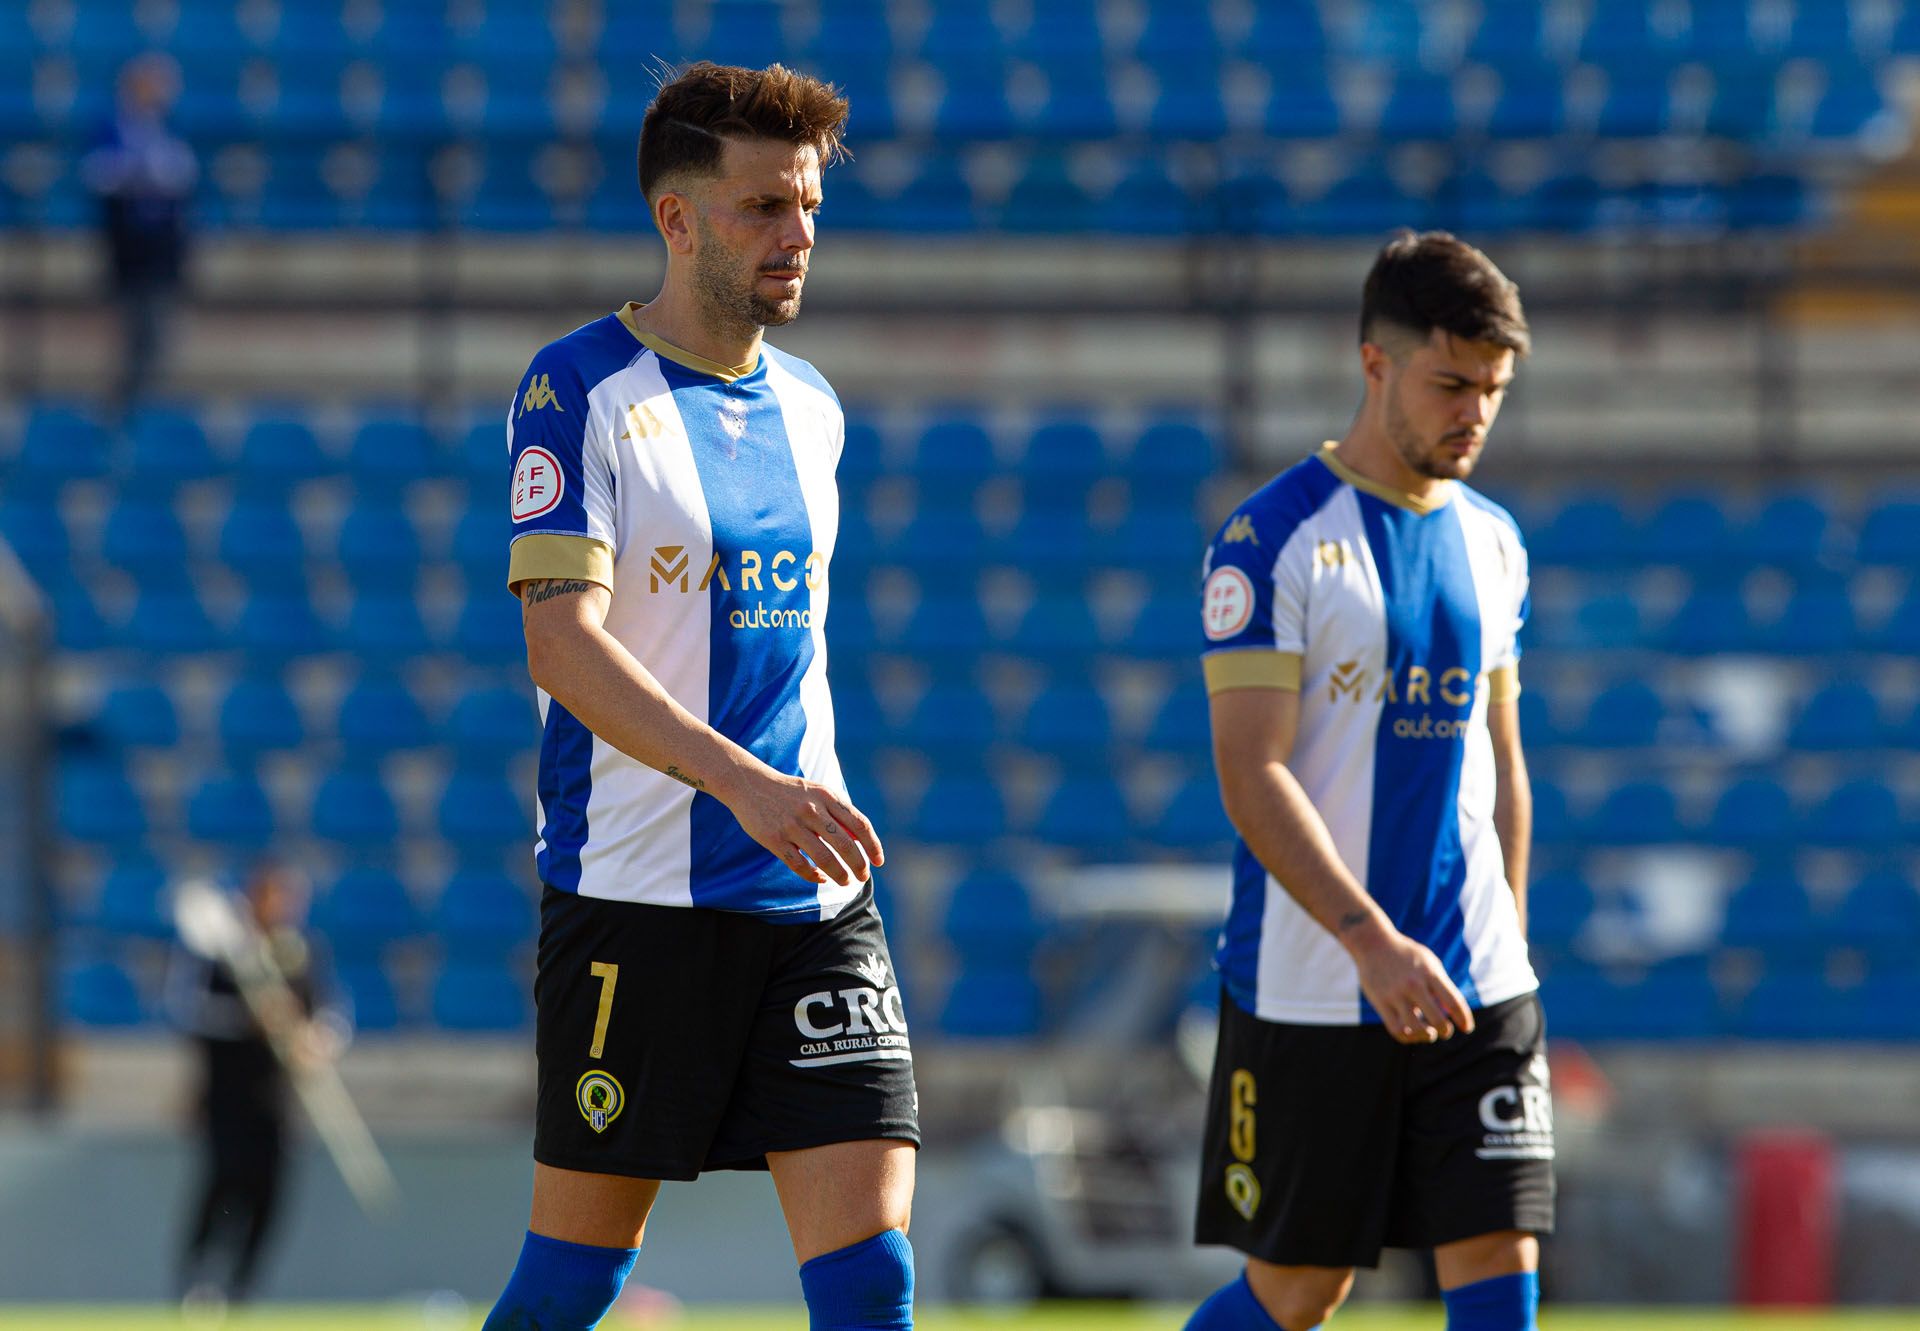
(259, 1203)
(847, 1207)
(581, 1242)
(1293, 1298)
(1490, 1282)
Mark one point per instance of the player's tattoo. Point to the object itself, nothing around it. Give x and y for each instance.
(683, 778)
(546, 589)
(1353, 919)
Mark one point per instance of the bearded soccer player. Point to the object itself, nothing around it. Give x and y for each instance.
(714, 989)
(1381, 1077)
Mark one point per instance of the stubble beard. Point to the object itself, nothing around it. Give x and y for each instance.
(1422, 458)
(726, 289)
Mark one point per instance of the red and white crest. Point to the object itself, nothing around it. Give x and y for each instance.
(538, 484)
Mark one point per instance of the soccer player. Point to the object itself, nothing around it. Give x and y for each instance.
(1380, 1078)
(714, 989)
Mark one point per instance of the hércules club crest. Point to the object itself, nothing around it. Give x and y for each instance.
(600, 1098)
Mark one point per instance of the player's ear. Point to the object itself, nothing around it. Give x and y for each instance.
(673, 217)
(1375, 364)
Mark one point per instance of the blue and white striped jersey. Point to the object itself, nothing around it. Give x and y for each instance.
(703, 497)
(1397, 619)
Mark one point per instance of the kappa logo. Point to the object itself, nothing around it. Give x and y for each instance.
(669, 562)
(538, 484)
(1240, 529)
(540, 395)
(600, 1098)
(642, 423)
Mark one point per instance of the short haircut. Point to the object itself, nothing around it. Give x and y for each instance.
(1433, 280)
(693, 116)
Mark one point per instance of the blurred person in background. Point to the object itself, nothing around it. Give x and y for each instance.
(1380, 1078)
(714, 989)
(143, 175)
(244, 1112)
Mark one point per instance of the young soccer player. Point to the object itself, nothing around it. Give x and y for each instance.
(1380, 1078)
(714, 989)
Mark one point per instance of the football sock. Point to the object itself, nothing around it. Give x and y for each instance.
(1234, 1308)
(1504, 1303)
(865, 1286)
(560, 1286)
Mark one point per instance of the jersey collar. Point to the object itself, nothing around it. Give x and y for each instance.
(664, 349)
(1412, 502)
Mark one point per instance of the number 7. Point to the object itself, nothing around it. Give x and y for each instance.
(609, 975)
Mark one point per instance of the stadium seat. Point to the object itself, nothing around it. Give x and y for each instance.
(1559, 905)
(167, 447)
(377, 545)
(1060, 455)
(1862, 812)
(391, 452)
(949, 718)
(1790, 531)
(1069, 721)
(137, 716)
(479, 997)
(1531, 104)
(100, 995)
(1686, 529)
(1419, 108)
(1772, 913)
(96, 803)
(1287, 34)
(1168, 627)
(380, 715)
(1890, 533)
(1183, 722)
(277, 625)
(1152, 540)
(352, 808)
(990, 915)
(60, 443)
(1635, 812)
(991, 1002)
(1086, 814)
(1900, 632)
(1712, 621)
(384, 624)
(1077, 106)
(1193, 820)
(1753, 812)
(484, 914)
(231, 811)
(1852, 103)
(1177, 451)
(1590, 532)
(1843, 716)
(278, 453)
(1665, 1003)
(960, 808)
(1796, 1005)
(376, 1008)
(488, 725)
(132, 901)
(484, 813)
(34, 531)
(943, 630)
(257, 715)
(1880, 915)
(364, 912)
(1626, 715)
(1818, 621)
(481, 541)
(954, 448)
(1056, 627)
(261, 542)
(143, 537)
(488, 631)
(1553, 820)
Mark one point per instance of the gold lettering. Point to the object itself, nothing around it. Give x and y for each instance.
(780, 557)
(1348, 678)
(750, 571)
(669, 563)
(816, 565)
(1450, 691)
(1417, 681)
(1240, 1120)
(1387, 693)
(714, 570)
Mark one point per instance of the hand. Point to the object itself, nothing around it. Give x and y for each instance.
(810, 829)
(1409, 988)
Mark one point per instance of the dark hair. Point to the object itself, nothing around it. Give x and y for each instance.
(692, 117)
(1433, 280)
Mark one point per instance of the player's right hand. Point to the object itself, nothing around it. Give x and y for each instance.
(1410, 990)
(809, 829)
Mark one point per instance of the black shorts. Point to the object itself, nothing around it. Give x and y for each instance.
(673, 1039)
(1325, 1144)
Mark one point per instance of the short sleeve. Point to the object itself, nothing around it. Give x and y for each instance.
(1252, 610)
(1504, 674)
(561, 498)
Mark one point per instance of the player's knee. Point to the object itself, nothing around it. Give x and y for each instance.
(1298, 1300)
(865, 1284)
(560, 1286)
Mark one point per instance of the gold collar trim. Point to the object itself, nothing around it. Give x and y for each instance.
(1414, 503)
(659, 346)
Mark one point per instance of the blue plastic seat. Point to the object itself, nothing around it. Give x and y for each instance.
(1862, 812)
(1623, 33)
(1592, 532)
(137, 716)
(144, 537)
(1795, 1004)
(1086, 813)
(376, 1007)
(34, 531)
(1537, 721)
(377, 544)
(1183, 722)
(1822, 32)
(352, 807)
(1531, 104)
(1687, 529)
(95, 802)
(945, 541)
(479, 996)
(1193, 819)
(1635, 812)
(1718, 31)
(277, 453)
(942, 629)
(488, 631)
(1175, 450)
(1510, 32)
(1818, 621)
(484, 913)
(991, 1002)
(1287, 33)
(167, 447)
(1167, 627)
(481, 540)
(60, 443)
(1890, 533)
(950, 718)
(1078, 105)
(1880, 915)
(1070, 721)
(169, 620)
(1419, 108)
(133, 900)
(1677, 1003)
(1056, 627)
(233, 811)
(1900, 633)
(277, 625)
(488, 725)
(258, 714)
(1553, 819)
(385, 625)
(380, 715)
(363, 912)
(954, 447)
(263, 544)
(1743, 101)
(1755, 811)
(1558, 908)
(1625, 715)
(482, 812)
(1844, 715)
(1790, 531)
(1713, 620)
(990, 915)
(100, 995)
(1771, 200)
(1771, 912)
(1853, 101)
(1062, 453)
(960, 808)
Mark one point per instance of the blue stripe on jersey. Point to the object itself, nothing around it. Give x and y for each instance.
(761, 639)
(566, 788)
(1416, 866)
(1276, 510)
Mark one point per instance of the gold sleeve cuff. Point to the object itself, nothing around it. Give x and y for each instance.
(548, 555)
(1503, 685)
(1251, 668)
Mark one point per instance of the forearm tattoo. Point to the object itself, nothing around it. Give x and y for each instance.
(546, 589)
(1353, 919)
(684, 779)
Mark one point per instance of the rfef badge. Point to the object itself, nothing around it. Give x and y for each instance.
(600, 1099)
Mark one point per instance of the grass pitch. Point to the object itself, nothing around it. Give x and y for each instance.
(1061, 1317)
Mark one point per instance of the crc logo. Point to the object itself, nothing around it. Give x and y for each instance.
(1354, 682)
(863, 1023)
(750, 568)
(1518, 1119)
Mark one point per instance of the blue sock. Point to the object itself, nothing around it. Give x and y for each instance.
(1233, 1308)
(560, 1286)
(1504, 1303)
(865, 1286)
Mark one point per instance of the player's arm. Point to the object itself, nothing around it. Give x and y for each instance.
(1512, 799)
(1253, 734)
(588, 671)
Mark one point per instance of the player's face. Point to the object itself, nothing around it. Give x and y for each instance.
(754, 231)
(1441, 400)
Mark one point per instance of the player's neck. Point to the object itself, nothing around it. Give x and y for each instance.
(1366, 451)
(676, 318)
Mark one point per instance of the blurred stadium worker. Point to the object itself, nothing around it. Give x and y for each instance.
(714, 988)
(1380, 1078)
(143, 174)
(245, 1107)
